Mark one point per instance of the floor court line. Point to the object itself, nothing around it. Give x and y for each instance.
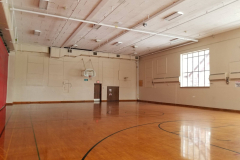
(187, 137)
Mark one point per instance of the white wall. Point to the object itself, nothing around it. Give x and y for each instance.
(40, 78)
(224, 57)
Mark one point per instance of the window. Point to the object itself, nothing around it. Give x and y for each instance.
(195, 69)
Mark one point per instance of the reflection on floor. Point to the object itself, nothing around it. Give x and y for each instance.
(195, 142)
(117, 131)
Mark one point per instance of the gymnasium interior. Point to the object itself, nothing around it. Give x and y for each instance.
(119, 80)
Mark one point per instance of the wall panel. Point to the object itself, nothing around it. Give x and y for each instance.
(224, 58)
(3, 73)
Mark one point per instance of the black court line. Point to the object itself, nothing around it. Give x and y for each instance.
(20, 128)
(5, 125)
(159, 126)
(3, 107)
(35, 138)
(114, 134)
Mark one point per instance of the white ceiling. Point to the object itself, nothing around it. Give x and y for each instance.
(201, 19)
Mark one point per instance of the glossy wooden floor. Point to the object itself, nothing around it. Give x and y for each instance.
(118, 131)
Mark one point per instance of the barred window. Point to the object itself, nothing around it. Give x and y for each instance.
(195, 69)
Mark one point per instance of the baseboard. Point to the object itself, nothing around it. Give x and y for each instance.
(122, 100)
(128, 100)
(9, 104)
(191, 106)
(84, 101)
(42, 102)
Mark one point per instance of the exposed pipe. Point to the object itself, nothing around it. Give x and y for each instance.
(145, 20)
(224, 5)
(66, 22)
(101, 21)
(106, 25)
(82, 25)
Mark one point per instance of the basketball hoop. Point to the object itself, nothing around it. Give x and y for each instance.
(89, 73)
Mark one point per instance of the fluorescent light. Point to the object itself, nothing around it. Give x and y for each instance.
(176, 40)
(106, 25)
(37, 32)
(173, 16)
(43, 4)
(118, 43)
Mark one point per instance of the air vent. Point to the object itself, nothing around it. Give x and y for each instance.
(95, 26)
(94, 53)
(118, 55)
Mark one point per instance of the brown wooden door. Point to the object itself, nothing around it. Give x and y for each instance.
(97, 91)
(112, 93)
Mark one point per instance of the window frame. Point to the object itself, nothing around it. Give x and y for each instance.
(192, 71)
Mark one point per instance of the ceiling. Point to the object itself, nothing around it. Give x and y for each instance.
(201, 19)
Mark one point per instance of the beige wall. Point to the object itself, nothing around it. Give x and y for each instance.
(224, 58)
(40, 78)
(11, 77)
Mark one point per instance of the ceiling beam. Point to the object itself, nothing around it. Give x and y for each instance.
(82, 25)
(139, 24)
(105, 25)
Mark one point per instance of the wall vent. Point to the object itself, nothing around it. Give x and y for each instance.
(118, 55)
(94, 53)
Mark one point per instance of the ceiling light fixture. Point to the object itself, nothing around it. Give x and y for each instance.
(75, 45)
(118, 43)
(43, 4)
(176, 40)
(173, 16)
(37, 32)
(135, 46)
(105, 25)
(97, 40)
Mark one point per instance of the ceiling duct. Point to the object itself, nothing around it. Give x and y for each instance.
(173, 16)
(43, 4)
(96, 26)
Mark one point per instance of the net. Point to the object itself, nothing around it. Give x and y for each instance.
(89, 73)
